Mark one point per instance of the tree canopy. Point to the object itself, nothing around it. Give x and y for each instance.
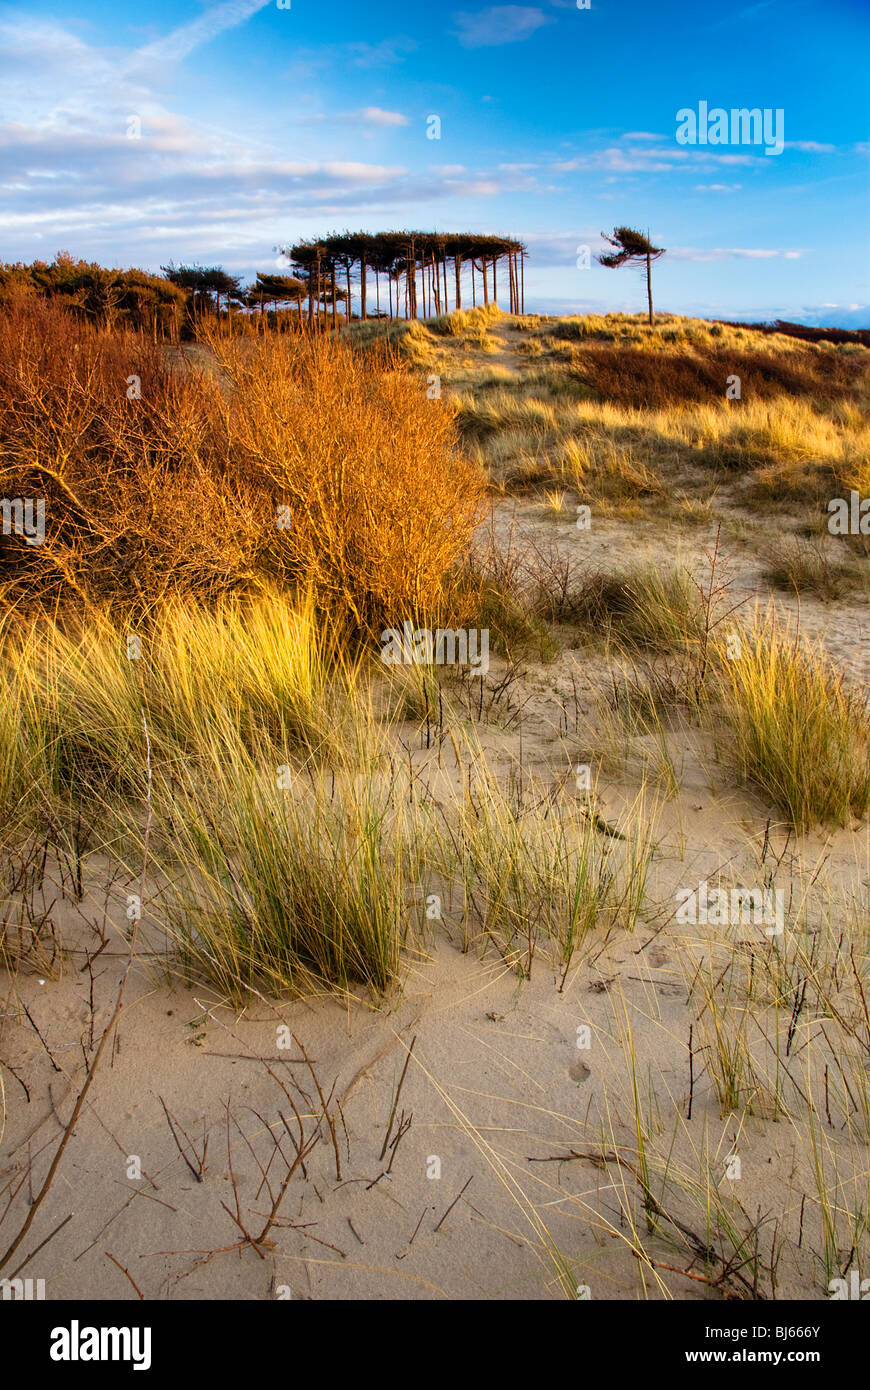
(632, 248)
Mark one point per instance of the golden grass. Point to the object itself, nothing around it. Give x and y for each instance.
(794, 729)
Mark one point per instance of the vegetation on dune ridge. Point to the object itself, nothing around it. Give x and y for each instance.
(248, 510)
(289, 461)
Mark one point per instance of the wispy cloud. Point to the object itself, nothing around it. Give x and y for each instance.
(725, 253)
(183, 40)
(651, 159)
(810, 146)
(499, 24)
(381, 54)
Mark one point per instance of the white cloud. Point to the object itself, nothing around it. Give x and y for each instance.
(810, 146)
(651, 159)
(375, 115)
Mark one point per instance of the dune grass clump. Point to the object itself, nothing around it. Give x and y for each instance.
(802, 566)
(268, 672)
(280, 883)
(542, 872)
(647, 607)
(795, 730)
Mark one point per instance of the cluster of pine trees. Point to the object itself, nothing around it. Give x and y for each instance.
(390, 274)
(408, 274)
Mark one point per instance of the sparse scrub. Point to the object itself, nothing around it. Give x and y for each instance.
(178, 487)
(532, 875)
(647, 607)
(808, 567)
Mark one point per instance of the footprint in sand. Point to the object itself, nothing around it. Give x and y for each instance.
(579, 1072)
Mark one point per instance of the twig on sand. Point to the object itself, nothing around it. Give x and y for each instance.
(396, 1099)
(116, 1012)
(452, 1205)
(127, 1272)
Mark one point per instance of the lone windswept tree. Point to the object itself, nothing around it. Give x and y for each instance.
(632, 248)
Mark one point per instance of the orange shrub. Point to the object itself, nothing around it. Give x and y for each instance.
(163, 470)
(382, 504)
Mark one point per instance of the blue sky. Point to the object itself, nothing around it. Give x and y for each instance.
(261, 125)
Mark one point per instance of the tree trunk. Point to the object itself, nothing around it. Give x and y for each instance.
(413, 281)
(362, 275)
(649, 288)
(457, 266)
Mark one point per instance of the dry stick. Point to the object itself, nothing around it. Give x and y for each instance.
(600, 1160)
(119, 1001)
(306, 1149)
(276, 1150)
(452, 1205)
(326, 1115)
(26, 1261)
(396, 1101)
(249, 1239)
(686, 1273)
(17, 1078)
(691, 1073)
(197, 1175)
(32, 1023)
(418, 1225)
(125, 1271)
(861, 992)
(269, 1069)
(404, 1126)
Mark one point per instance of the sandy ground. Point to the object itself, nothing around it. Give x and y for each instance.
(499, 1076)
